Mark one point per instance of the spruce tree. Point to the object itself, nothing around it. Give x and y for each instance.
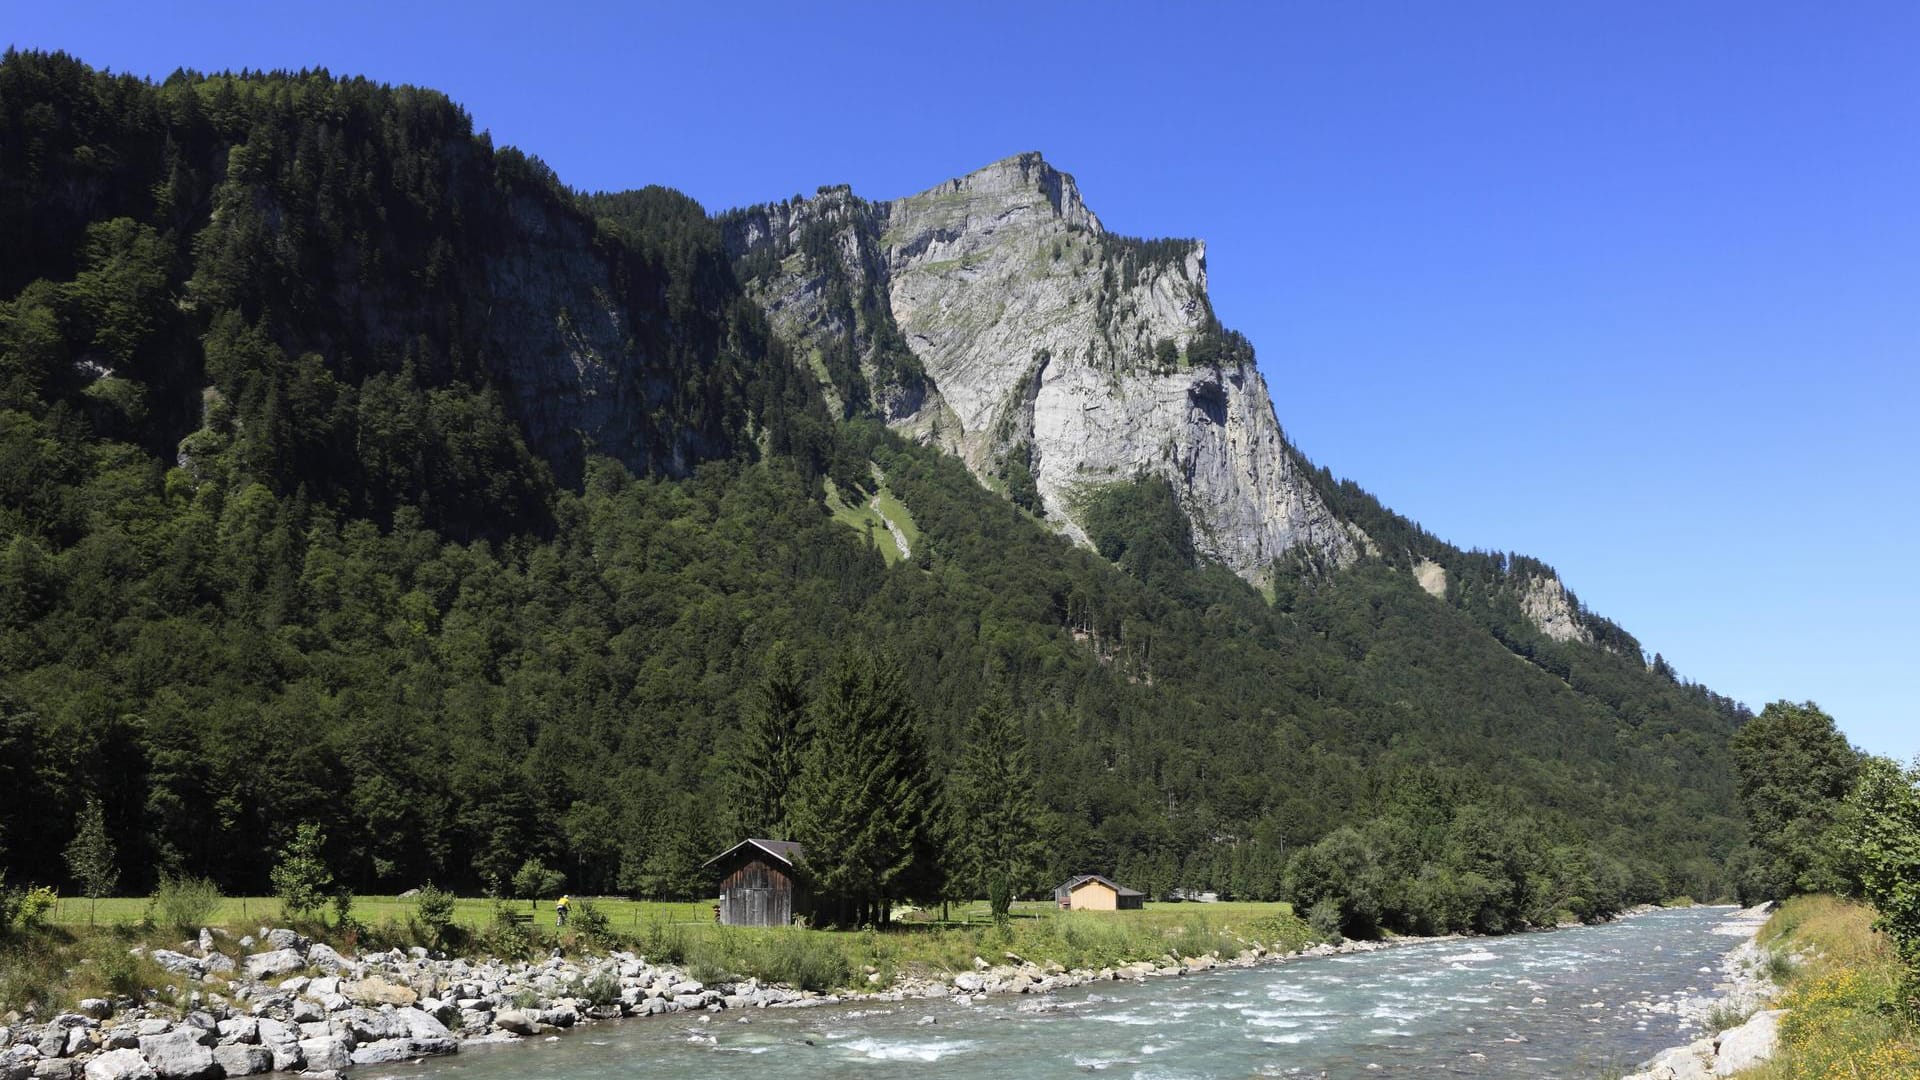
(91, 858)
(865, 796)
(996, 822)
(771, 750)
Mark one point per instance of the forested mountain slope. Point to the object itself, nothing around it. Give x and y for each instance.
(355, 471)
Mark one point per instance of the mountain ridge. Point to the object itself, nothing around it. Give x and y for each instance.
(286, 537)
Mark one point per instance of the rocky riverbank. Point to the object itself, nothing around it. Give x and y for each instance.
(1744, 989)
(279, 1002)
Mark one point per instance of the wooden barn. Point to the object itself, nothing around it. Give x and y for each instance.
(1091, 892)
(758, 885)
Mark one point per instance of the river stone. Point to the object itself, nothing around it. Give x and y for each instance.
(240, 1029)
(514, 1020)
(269, 965)
(326, 1053)
(376, 991)
(178, 1055)
(323, 956)
(1749, 1044)
(120, 1065)
(178, 963)
(284, 939)
(56, 1069)
(243, 1060)
(369, 1025)
(282, 1041)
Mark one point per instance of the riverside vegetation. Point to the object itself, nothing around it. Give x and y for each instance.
(306, 519)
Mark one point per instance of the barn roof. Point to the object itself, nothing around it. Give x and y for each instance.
(784, 850)
(1074, 883)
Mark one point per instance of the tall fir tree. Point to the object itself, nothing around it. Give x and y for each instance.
(995, 817)
(771, 750)
(865, 798)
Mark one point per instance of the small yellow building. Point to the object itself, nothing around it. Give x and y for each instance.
(1091, 892)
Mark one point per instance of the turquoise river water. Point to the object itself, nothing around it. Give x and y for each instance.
(1570, 1003)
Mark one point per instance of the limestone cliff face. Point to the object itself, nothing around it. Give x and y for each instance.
(1545, 603)
(1038, 339)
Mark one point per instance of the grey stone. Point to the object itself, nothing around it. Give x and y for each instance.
(326, 1053)
(178, 963)
(98, 1008)
(1749, 1044)
(152, 1025)
(271, 965)
(370, 1025)
(284, 939)
(178, 1055)
(282, 1041)
(514, 1020)
(323, 956)
(243, 1060)
(56, 1069)
(78, 1039)
(120, 1065)
(240, 1029)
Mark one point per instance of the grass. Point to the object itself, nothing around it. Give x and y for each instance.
(1845, 1020)
(249, 913)
(863, 518)
(55, 966)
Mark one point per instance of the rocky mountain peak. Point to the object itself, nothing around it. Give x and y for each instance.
(993, 315)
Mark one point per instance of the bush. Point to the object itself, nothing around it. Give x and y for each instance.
(10, 899)
(183, 903)
(804, 960)
(302, 879)
(662, 943)
(601, 988)
(433, 907)
(1324, 916)
(507, 938)
(35, 905)
(591, 923)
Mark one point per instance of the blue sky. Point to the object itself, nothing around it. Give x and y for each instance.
(1635, 290)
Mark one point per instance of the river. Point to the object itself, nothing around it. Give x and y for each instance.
(1570, 1003)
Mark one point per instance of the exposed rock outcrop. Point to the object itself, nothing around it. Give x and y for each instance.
(1032, 335)
(1546, 603)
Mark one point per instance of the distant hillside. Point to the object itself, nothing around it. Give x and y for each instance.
(355, 471)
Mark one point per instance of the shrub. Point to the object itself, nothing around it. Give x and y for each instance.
(302, 879)
(35, 905)
(804, 960)
(1324, 917)
(10, 899)
(433, 906)
(183, 903)
(663, 943)
(505, 937)
(601, 988)
(591, 923)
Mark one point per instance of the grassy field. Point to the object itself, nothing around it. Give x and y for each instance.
(862, 519)
(237, 912)
(1846, 1020)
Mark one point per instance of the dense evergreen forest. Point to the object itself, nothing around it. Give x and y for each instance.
(301, 522)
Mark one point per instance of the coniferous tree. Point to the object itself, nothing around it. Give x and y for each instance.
(865, 797)
(771, 750)
(995, 815)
